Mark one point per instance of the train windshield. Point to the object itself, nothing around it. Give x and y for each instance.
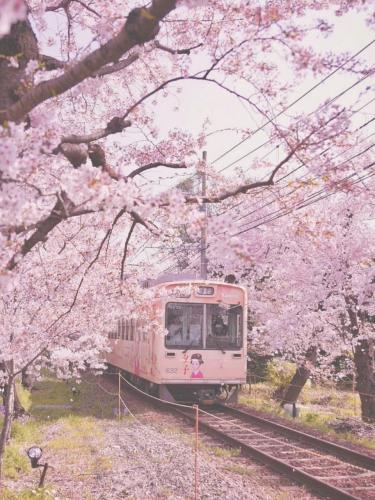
(184, 323)
(204, 326)
(224, 326)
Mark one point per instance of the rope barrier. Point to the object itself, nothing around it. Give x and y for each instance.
(157, 399)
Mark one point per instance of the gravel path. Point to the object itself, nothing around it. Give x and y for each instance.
(150, 464)
(148, 455)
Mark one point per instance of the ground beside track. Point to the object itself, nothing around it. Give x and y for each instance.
(150, 455)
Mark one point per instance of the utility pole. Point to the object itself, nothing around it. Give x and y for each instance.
(204, 224)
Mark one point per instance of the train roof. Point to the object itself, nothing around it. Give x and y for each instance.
(198, 282)
(184, 278)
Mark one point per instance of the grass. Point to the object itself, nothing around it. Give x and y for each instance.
(240, 469)
(53, 399)
(319, 405)
(60, 423)
(28, 494)
(218, 451)
(15, 462)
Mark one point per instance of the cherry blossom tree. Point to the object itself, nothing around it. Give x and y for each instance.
(311, 287)
(85, 93)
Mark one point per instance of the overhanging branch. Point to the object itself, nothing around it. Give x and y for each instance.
(141, 26)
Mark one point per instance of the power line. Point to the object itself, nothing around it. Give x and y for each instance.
(304, 164)
(304, 204)
(300, 166)
(294, 102)
(311, 113)
(300, 187)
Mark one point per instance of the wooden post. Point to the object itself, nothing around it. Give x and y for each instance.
(43, 476)
(119, 395)
(196, 479)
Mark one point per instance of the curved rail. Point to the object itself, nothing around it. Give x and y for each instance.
(324, 473)
(352, 456)
(325, 467)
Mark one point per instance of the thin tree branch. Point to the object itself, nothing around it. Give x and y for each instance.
(113, 68)
(155, 164)
(244, 188)
(132, 227)
(186, 51)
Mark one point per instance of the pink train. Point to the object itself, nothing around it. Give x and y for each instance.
(201, 354)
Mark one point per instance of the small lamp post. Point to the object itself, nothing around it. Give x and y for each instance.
(35, 453)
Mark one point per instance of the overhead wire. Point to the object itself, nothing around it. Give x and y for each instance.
(301, 165)
(298, 99)
(316, 178)
(304, 204)
(309, 114)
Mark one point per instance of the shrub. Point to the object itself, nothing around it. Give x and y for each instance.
(280, 373)
(15, 462)
(24, 396)
(257, 366)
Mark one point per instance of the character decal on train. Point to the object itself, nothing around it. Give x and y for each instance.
(196, 361)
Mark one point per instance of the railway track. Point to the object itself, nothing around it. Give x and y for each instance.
(327, 468)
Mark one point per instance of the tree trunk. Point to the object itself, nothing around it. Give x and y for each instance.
(293, 390)
(19, 410)
(7, 424)
(27, 379)
(364, 364)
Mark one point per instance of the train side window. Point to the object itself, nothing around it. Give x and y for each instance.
(122, 329)
(126, 329)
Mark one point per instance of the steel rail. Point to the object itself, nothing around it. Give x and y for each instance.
(297, 473)
(352, 456)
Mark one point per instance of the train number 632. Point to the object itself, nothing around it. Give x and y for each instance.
(171, 370)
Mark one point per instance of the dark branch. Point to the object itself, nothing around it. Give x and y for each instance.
(141, 26)
(132, 227)
(114, 126)
(155, 164)
(186, 51)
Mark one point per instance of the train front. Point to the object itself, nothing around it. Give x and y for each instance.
(205, 346)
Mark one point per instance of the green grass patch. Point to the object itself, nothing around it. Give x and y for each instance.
(76, 432)
(25, 431)
(15, 461)
(23, 435)
(28, 494)
(53, 399)
(240, 469)
(218, 451)
(319, 405)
